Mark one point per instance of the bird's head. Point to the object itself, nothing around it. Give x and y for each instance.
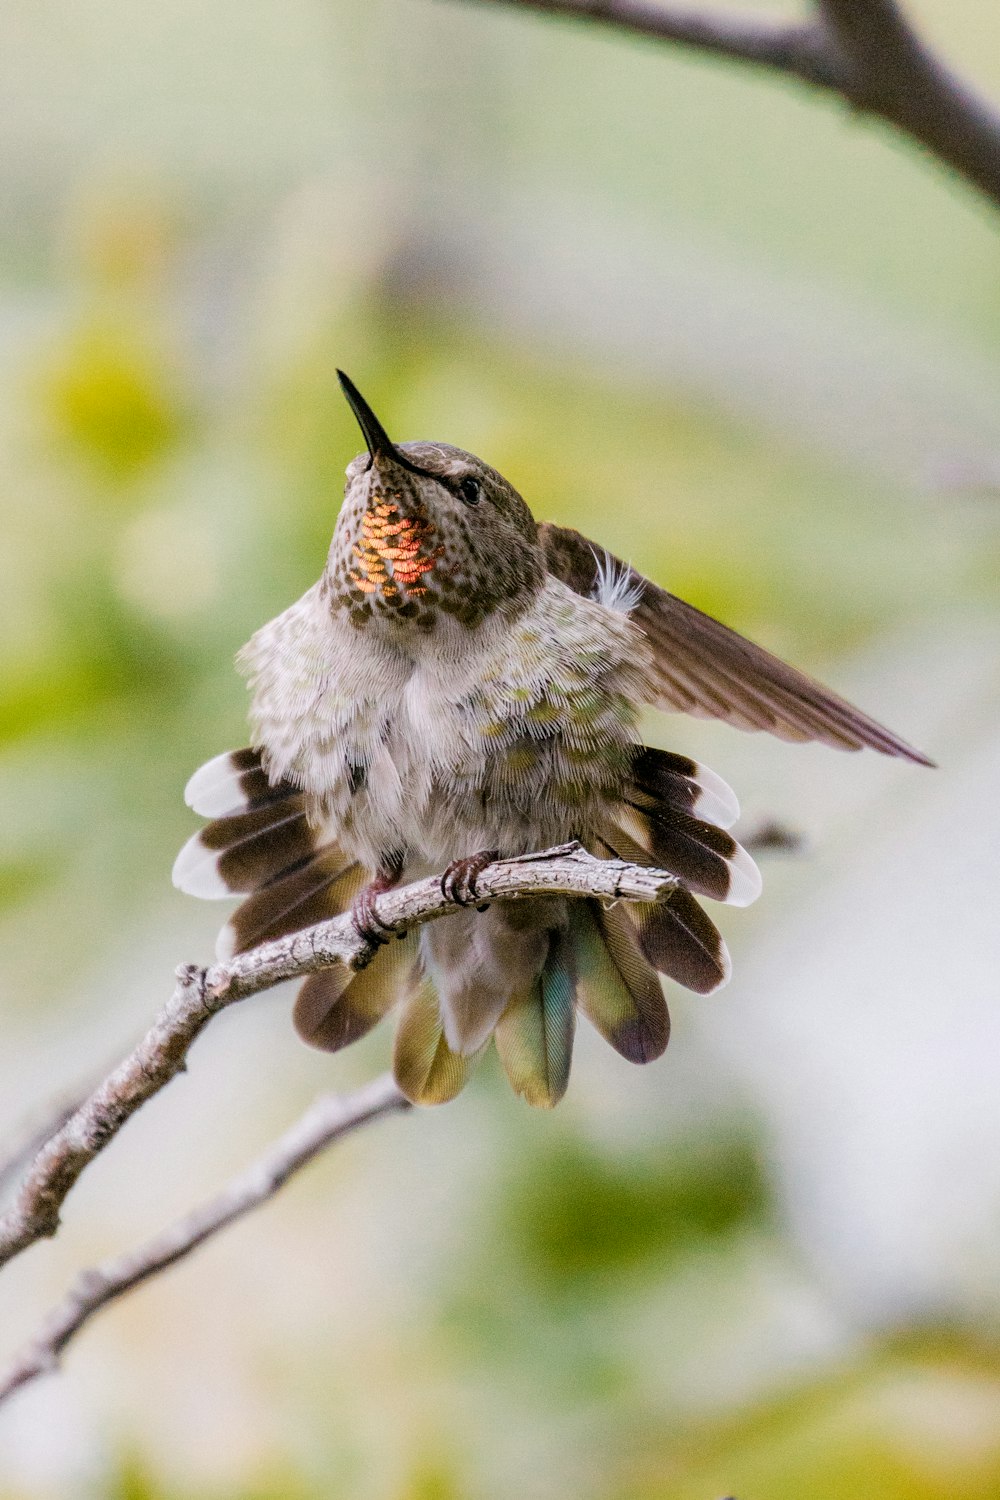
(428, 532)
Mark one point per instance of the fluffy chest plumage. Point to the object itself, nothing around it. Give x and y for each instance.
(507, 737)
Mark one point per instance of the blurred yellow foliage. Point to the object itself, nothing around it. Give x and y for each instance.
(111, 398)
(897, 1428)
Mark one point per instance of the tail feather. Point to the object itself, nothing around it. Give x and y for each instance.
(707, 858)
(233, 856)
(316, 1014)
(684, 784)
(259, 844)
(682, 941)
(233, 783)
(534, 1036)
(676, 936)
(425, 1067)
(322, 888)
(336, 1007)
(616, 989)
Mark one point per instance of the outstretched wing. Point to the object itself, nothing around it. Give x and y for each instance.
(702, 667)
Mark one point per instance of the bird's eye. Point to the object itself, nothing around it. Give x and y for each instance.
(470, 490)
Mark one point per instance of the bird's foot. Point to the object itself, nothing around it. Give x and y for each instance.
(458, 883)
(367, 922)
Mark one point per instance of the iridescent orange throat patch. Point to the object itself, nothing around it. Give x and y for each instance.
(394, 552)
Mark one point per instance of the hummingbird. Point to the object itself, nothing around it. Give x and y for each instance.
(461, 684)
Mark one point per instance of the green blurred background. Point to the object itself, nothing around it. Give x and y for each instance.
(742, 337)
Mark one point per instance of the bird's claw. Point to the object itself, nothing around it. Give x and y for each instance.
(458, 883)
(367, 923)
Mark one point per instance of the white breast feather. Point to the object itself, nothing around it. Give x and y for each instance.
(423, 717)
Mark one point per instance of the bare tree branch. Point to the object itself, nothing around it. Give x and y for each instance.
(330, 1118)
(893, 75)
(865, 51)
(24, 1146)
(202, 993)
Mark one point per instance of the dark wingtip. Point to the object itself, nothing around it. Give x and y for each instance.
(907, 752)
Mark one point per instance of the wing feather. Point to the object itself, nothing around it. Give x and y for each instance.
(702, 667)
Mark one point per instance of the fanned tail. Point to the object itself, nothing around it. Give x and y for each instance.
(514, 973)
(259, 844)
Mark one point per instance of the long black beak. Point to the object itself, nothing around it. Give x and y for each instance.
(377, 439)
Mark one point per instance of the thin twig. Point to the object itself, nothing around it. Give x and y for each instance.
(865, 51)
(771, 836)
(202, 993)
(330, 1118)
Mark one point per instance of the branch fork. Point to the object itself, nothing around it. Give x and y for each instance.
(865, 51)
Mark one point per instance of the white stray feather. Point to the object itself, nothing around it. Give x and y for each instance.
(616, 586)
